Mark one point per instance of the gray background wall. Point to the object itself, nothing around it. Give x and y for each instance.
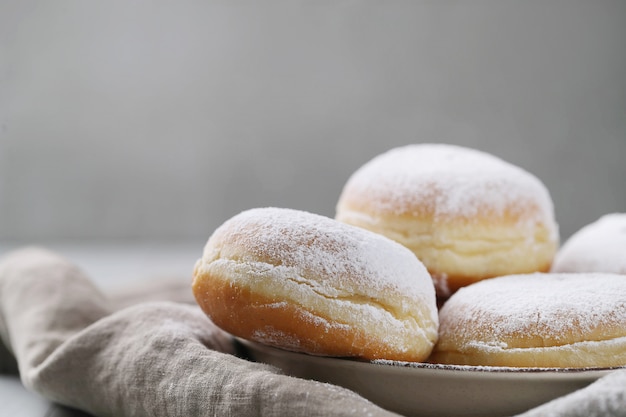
(160, 119)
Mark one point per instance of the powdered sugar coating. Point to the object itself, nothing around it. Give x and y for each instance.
(536, 310)
(597, 247)
(307, 244)
(447, 180)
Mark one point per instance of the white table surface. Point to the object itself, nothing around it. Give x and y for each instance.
(111, 265)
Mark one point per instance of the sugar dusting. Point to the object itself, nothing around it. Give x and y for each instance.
(485, 368)
(273, 337)
(450, 180)
(313, 246)
(548, 306)
(597, 247)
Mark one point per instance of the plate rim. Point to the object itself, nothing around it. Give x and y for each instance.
(390, 365)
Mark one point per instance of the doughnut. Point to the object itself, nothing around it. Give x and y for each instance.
(542, 320)
(597, 247)
(308, 283)
(467, 215)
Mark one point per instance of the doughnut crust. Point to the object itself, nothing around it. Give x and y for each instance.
(597, 247)
(307, 283)
(536, 320)
(466, 214)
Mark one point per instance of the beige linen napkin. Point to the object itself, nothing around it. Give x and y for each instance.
(150, 359)
(604, 398)
(129, 354)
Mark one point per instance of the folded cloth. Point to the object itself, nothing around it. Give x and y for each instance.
(604, 398)
(150, 359)
(129, 354)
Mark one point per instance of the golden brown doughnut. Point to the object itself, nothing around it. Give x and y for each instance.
(466, 214)
(597, 247)
(536, 320)
(307, 283)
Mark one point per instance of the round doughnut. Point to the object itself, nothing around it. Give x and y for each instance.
(466, 214)
(307, 283)
(536, 320)
(597, 247)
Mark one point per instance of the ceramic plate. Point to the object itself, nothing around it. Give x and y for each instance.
(419, 389)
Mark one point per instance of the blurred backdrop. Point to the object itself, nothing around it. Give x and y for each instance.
(158, 120)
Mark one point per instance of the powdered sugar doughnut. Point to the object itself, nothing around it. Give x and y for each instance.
(466, 214)
(307, 283)
(597, 247)
(536, 320)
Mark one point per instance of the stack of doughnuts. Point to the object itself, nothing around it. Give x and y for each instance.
(417, 228)
(466, 214)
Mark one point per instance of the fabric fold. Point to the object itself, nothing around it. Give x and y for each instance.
(156, 358)
(44, 300)
(604, 398)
